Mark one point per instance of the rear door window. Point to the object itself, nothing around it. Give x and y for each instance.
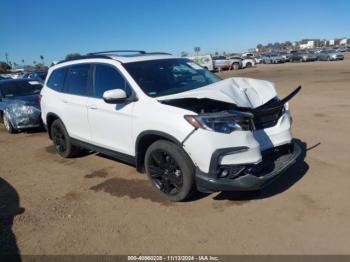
(56, 80)
(77, 80)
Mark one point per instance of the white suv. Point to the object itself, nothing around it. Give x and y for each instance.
(184, 126)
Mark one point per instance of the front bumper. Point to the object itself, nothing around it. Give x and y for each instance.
(252, 176)
(25, 121)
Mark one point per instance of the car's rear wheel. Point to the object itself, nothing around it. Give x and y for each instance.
(61, 140)
(7, 123)
(170, 170)
(248, 65)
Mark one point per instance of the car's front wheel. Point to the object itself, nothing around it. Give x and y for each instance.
(170, 170)
(61, 140)
(7, 123)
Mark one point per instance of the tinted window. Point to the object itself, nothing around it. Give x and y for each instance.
(56, 79)
(108, 78)
(20, 88)
(77, 80)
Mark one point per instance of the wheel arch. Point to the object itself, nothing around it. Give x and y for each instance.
(50, 118)
(144, 140)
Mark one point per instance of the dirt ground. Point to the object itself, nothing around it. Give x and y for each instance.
(93, 205)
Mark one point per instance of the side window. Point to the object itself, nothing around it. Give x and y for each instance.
(77, 80)
(108, 78)
(56, 80)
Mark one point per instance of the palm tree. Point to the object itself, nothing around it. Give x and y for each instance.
(34, 62)
(23, 61)
(42, 59)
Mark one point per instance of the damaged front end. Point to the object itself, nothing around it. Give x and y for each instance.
(235, 147)
(22, 114)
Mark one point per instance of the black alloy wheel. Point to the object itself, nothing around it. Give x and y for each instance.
(59, 139)
(170, 170)
(165, 172)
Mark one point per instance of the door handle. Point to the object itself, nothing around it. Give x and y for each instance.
(93, 107)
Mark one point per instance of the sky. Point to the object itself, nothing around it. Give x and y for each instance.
(30, 28)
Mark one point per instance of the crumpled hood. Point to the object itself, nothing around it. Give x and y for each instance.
(241, 91)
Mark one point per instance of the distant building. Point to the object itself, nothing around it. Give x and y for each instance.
(344, 41)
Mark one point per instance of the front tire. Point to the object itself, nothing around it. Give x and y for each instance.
(7, 123)
(170, 170)
(235, 66)
(61, 140)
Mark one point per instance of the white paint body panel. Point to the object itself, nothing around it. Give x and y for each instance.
(117, 127)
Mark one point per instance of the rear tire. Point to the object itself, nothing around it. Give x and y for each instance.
(61, 140)
(170, 170)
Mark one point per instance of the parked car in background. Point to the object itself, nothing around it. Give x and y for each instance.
(258, 59)
(246, 62)
(286, 56)
(182, 125)
(19, 104)
(273, 59)
(329, 55)
(224, 63)
(205, 61)
(302, 57)
(39, 76)
(3, 77)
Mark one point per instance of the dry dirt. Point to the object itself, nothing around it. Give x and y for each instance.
(93, 205)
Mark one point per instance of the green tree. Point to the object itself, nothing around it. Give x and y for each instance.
(4, 67)
(42, 59)
(73, 55)
(40, 67)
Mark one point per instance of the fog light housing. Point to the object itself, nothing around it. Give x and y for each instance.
(224, 173)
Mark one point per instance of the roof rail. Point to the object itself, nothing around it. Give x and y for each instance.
(83, 57)
(158, 53)
(118, 51)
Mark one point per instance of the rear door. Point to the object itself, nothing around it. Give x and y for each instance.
(110, 124)
(77, 89)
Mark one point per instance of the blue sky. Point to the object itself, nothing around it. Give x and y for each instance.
(55, 28)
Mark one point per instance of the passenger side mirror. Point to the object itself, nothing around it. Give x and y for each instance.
(115, 96)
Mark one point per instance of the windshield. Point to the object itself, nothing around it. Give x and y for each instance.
(20, 88)
(169, 76)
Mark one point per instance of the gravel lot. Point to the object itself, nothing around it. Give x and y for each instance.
(93, 205)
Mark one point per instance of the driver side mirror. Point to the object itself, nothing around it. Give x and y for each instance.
(115, 96)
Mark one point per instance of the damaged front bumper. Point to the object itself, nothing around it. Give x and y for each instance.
(23, 116)
(248, 177)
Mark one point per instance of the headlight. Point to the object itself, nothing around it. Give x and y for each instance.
(27, 109)
(222, 122)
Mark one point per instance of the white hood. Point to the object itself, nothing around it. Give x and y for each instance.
(243, 92)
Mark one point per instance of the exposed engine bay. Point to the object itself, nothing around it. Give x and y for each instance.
(263, 116)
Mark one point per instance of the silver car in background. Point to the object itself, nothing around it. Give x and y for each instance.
(329, 55)
(273, 59)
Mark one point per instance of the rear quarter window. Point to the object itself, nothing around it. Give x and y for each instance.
(56, 80)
